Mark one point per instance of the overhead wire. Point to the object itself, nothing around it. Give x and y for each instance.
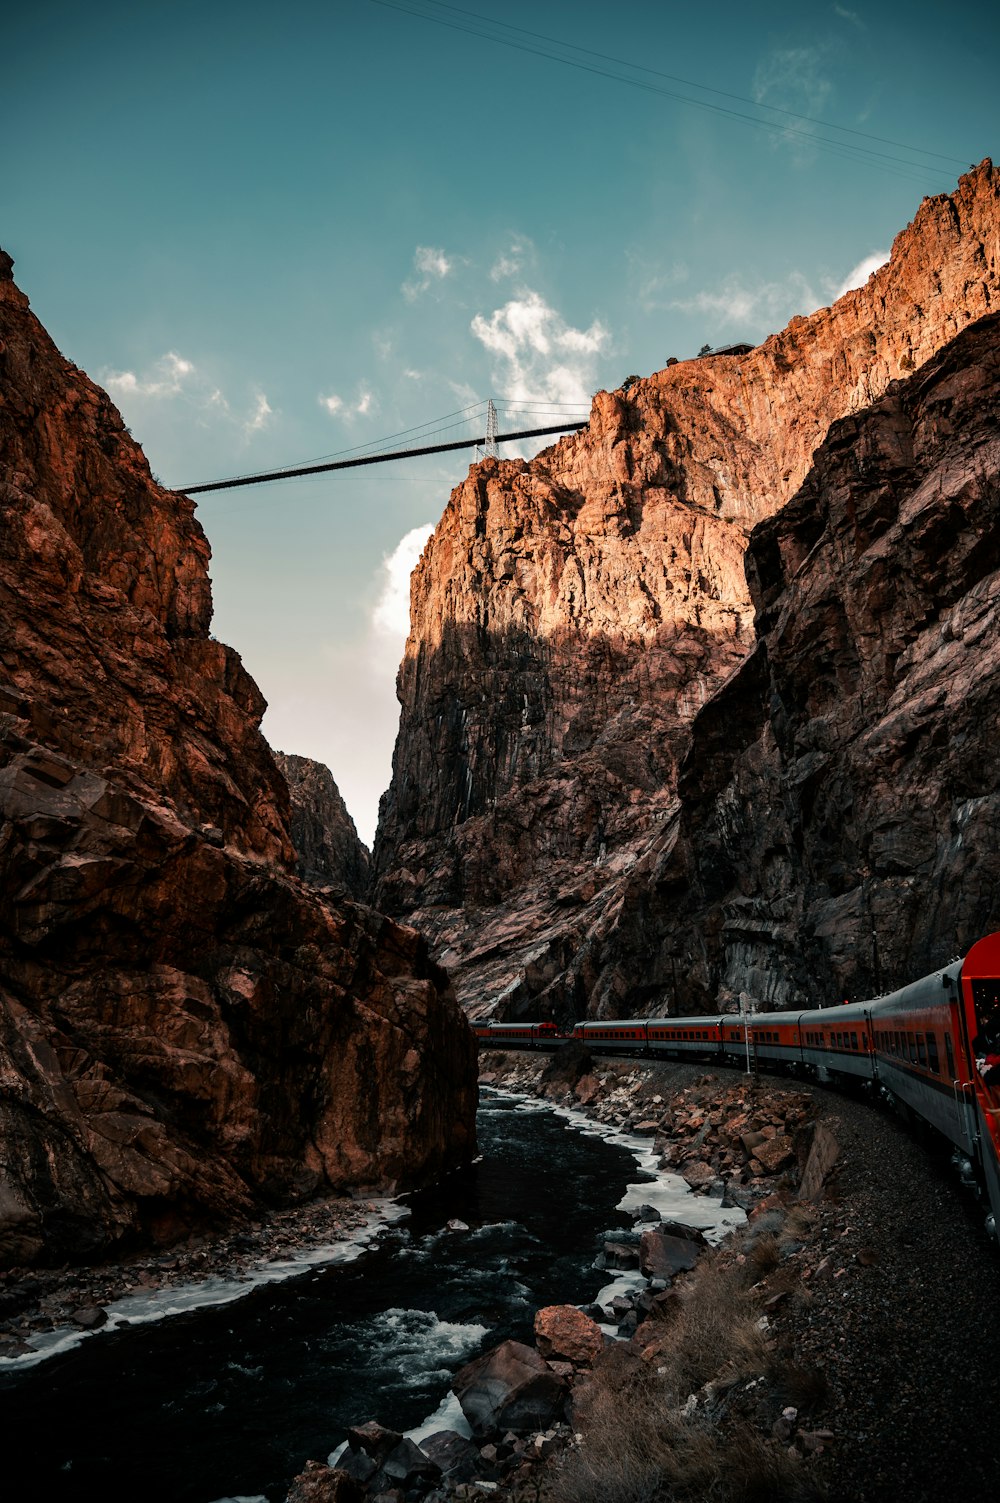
(899, 167)
(690, 83)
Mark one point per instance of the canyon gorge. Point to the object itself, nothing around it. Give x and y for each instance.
(633, 775)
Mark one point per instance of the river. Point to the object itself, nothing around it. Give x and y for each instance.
(229, 1401)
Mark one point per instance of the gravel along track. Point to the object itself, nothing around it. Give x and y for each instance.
(909, 1334)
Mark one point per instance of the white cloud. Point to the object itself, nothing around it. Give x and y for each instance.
(850, 15)
(172, 378)
(520, 252)
(391, 613)
(365, 403)
(165, 378)
(431, 265)
(859, 275)
(261, 412)
(537, 353)
(758, 309)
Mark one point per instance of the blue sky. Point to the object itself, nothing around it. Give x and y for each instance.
(278, 233)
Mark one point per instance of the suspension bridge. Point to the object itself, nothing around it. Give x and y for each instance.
(484, 445)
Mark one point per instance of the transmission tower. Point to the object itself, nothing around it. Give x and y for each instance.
(489, 448)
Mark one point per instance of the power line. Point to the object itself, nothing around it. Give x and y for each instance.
(897, 166)
(348, 464)
(687, 82)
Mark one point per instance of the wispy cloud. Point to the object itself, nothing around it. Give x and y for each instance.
(430, 265)
(654, 281)
(172, 377)
(793, 78)
(754, 309)
(364, 403)
(512, 261)
(258, 418)
(851, 16)
(165, 378)
(859, 274)
(537, 354)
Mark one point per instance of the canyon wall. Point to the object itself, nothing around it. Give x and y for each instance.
(187, 1030)
(327, 846)
(838, 830)
(570, 616)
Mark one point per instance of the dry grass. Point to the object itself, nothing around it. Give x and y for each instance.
(639, 1447)
(646, 1441)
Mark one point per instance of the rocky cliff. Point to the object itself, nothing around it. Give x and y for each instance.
(325, 839)
(571, 616)
(186, 1029)
(839, 822)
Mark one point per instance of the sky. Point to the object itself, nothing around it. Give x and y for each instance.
(278, 234)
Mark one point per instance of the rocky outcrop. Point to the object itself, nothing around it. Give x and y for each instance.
(571, 616)
(323, 832)
(186, 1030)
(839, 826)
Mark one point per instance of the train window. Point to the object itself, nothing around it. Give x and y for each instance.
(854, 1041)
(933, 1058)
(949, 1056)
(921, 1050)
(912, 1045)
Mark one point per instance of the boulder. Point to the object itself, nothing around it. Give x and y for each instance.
(563, 1331)
(775, 1154)
(319, 1483)
(661, 1255)
(405, 1465)
(375, 1439)
(824, 1151)
(509, 1388)
(456, 1457)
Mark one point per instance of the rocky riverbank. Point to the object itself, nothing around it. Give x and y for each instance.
(841, 1346)
(40, 1305)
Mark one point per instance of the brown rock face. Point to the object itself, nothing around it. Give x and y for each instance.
(326, 841)
(839, 829)
(571, 616)
(186, 1029)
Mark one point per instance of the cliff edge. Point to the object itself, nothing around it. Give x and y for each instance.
(572, 615)
(186, 1029)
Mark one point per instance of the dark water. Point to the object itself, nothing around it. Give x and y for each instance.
(232, 1401)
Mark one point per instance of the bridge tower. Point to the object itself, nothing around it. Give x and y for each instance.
(489, 448)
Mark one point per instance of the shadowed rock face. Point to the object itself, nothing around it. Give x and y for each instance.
(326, 841)
(187, 1030)
(571, 616)
(839, 825)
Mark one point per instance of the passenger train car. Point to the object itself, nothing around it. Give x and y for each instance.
(932, 1046)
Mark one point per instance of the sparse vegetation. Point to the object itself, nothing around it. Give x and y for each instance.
(684, 1421)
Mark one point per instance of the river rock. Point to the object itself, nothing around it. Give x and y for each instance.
(374, 1439)
(405, 1465)
(509, 1388)
(775, 1153)
(661, 1255)
(319, 1483)
(563, 1331)
(456, 1456)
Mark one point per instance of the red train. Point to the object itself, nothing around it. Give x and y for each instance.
(933, 1046)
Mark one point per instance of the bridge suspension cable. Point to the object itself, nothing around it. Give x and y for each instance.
(490, 437)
